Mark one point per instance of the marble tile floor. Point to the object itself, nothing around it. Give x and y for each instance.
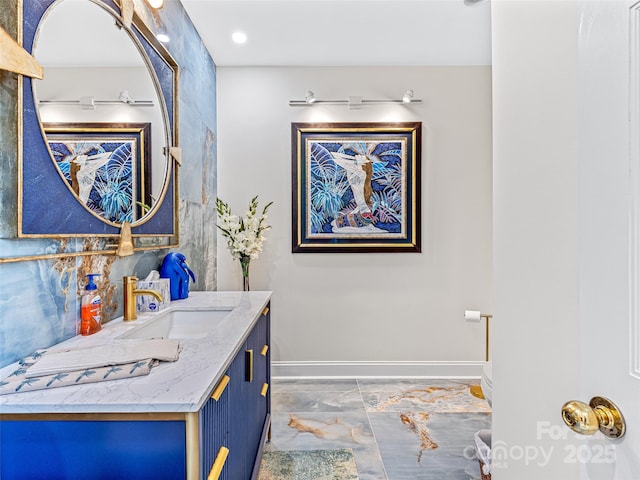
(404, 429)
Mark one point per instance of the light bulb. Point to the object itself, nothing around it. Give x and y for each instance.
(156, 3)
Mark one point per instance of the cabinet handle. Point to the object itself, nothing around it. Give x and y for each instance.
(265, 387)
(265, 311)
(219, 390)
(218, 464)
(264, 350)
(248, 365)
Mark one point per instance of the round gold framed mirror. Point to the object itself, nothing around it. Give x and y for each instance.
(104, 114)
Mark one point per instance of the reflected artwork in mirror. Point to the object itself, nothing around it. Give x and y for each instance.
(98, 128)
(107, 166)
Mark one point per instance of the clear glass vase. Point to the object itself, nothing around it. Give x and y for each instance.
(245, 260)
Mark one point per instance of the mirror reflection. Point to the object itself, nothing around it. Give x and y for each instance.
(100, 112)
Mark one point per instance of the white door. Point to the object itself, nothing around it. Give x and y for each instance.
(609, 131)
(566, 300)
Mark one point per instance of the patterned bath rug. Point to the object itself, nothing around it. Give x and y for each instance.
(308, 465)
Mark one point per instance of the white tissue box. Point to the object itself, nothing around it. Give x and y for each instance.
(149, 303)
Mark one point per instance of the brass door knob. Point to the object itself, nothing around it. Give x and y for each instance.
(601, 414)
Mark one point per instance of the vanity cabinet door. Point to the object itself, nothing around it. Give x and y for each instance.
(260, 387)
(100, 450)
(214, 429)
(240, 422)
(249, 402)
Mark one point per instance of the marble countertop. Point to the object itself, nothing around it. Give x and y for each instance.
(181, 386)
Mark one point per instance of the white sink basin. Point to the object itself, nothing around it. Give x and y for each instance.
(179, 324)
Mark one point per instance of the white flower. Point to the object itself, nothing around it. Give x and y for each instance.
(244, 235)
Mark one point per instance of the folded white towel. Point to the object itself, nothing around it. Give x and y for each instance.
(116, 353)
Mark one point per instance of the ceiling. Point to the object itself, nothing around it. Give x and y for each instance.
(345, 32)
(103, 45)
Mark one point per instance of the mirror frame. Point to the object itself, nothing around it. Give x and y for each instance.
(58, 213)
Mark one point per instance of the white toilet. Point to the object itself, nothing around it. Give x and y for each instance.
(486, 383)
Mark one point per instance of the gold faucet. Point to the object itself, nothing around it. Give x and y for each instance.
(129, 284)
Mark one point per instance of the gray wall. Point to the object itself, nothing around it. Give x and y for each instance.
(372, 313)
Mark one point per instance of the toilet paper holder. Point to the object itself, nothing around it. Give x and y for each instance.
(476, 316)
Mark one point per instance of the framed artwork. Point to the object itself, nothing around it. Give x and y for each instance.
(107, 166)
(356, 187)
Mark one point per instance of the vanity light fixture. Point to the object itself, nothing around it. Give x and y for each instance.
(87, 103)
(407, 97)
(125, 97)
(353, 101)
(90, 103)
(310, 97)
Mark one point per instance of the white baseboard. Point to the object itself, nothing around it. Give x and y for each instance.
(377, 369)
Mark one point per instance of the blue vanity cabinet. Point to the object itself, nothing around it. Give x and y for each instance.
(221, 441)
(189, 446)
(250, 408)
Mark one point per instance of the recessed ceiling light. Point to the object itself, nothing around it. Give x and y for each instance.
(239, 37)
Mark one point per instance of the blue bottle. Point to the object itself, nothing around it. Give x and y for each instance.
(175, 268)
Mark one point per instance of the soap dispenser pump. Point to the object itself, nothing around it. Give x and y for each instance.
(90, 308)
